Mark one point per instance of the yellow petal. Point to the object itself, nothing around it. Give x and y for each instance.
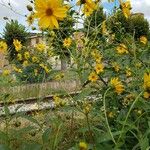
(54, 21)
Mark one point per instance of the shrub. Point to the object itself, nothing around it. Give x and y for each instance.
(14, 30)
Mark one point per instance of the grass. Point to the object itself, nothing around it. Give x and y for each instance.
(59, 121)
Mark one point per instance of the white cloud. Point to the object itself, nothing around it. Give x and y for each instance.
(18, 13)
(142, 6)
(20, 6)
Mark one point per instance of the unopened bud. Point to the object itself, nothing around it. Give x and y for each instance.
(29, 7)
(33, 28)
(5, 18)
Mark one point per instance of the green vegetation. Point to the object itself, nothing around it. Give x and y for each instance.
(14, 30)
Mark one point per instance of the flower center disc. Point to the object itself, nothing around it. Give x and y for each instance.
(49, 12)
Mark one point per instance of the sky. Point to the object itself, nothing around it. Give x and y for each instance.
(19, 6)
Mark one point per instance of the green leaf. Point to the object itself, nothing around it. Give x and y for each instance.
(31, 119)
(46, 135)
(85, 92)
(105, 137)
(6, 110)
(3, 136)
(4, 147)
(144, 143)
(33, 146)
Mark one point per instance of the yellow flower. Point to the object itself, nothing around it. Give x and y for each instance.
(126, 6)
(26, 55)
(87, 10)
(104, 29)
(49, 13)
(40, 47)
(35, 59)
(67, 6)
(59, 76)
(128, 72)
(83, 146)
(3, 47)
(30, 19)
(25, 63)
(139, 64)
(67, 42)
(147, 81)
(17, 69)
(89, 6)
(121, 49)
(98, 57)
(17, 44)
(119, 88)
(35, 72)
(116, 66)
(143, 39)
(89, 3)
(93, 77)
(110, 1)
(6, 72)
(45, 68)
(87, 108)
(58, 101)
(42, 65)
(146, 95)
(111, 114)
(99, 68)
(19, 57)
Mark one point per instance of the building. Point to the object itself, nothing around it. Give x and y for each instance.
(36, 38)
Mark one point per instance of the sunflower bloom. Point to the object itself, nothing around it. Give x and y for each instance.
(25, 63)
(35, 59)
(49, 12)
(18, 70)
(104, 29)
(128, 72)
(40, 47)
(143, 40)
(116, 66)
(89, 6)
(93, 77)
(6, 72)
(146, 95)
(19, 57)
(119, 88)
(83, 146)
(97, 57)
(30, 19)
(126, 6)
(147, 81)
(99, 68)
(26, 55)
(3, 47)
(87, 10)
(17, 44)
(89, 3)
(67, 42)
(121, 49)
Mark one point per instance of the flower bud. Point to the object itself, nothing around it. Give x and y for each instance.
(29, 7)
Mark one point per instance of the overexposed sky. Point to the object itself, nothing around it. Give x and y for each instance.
(20, 7)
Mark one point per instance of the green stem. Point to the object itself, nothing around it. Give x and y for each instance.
(56, 137)
(105, 113)
(127, 116)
